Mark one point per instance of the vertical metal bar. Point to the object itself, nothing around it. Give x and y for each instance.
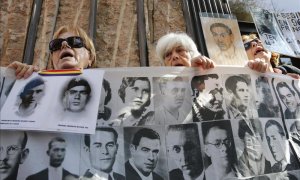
(204, 3)
(92, 19)
(188, 19)
(142, 41)
(32, 32)
(216, 7)
(221, 5)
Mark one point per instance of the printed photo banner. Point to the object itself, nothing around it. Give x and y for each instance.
(172, 123)
(54, 103)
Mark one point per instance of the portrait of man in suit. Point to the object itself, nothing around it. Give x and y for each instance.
(13, 152)
(144, 150)
(279, 147)
(183, 146)
(56, 152)
(103, 148)
(104, 112)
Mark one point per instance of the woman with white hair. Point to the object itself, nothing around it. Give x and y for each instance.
(178, 49)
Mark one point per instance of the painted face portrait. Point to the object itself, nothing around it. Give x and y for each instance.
(178, 56)
(222, 38)
(145, 155)
(103, 150)
(218, 145)
(184, 148)
(57, 153)
(12, 154)
(288, 98)
(137, 95)
(276, 142)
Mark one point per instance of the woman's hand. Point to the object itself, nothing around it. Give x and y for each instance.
(22, 70)
(202, 62)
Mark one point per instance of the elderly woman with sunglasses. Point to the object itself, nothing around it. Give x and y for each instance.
(263, 60)
(70, 48)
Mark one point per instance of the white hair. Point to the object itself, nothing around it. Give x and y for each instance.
(172, 40)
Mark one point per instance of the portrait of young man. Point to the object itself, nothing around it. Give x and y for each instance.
(76, 95)
(219, 148)
(224, 43)
(135, 93)
(56, 152)
(289, 99)
(208, 98)
(267, 106)
(171, 104)
(13, 152)
(144, 148)
(279, 147)
(183, 148)
(30, 97)
(252, 162)
(103, 148)
(240, 104)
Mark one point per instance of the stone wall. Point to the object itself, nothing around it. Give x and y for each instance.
(116, 28)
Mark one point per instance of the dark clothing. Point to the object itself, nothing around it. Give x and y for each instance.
(176, 174)
(205, 114)
(293, 165)
(131, 174)
(116, 176)
(43, 175)
(292, 115)
(105, 115)
(288, 69)
(268, 111)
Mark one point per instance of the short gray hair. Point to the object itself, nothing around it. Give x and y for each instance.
(171, 40)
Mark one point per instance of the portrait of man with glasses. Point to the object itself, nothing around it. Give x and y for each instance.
(76, 95)
(252, 161)
(219, 148)
(13, 152)
(183, 147)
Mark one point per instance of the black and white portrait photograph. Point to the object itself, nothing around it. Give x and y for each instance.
(51, 156)
(223, 40)
(289, 99)
(145, 154)
(280, 154)
(172, 100)
(207, 96)
(14, 152)
(220, 155)
(266, 102)
(7, 80)
(239, 96)
(184, 152)
(250, 144)
(102, 154)
(293, 127)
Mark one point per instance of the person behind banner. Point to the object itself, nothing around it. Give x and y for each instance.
(135, 93)
(30, 97)
(262, 60)
(13, 152)
(219, 150)
(252, 161)
(173, 91)
(104, 112)
(76, 95)
(240, 104)
(266, 107)
(71, 48)
(144, 150)
(224, 39)
(102, 147)
(183, 146)
(279, 147)
(56, 152)
(288, 98)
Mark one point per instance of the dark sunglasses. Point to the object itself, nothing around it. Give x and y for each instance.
(247, 45)
(73, 42)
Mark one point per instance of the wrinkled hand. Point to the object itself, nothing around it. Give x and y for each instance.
(22, 70)
(202, 62)
(258, 65)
